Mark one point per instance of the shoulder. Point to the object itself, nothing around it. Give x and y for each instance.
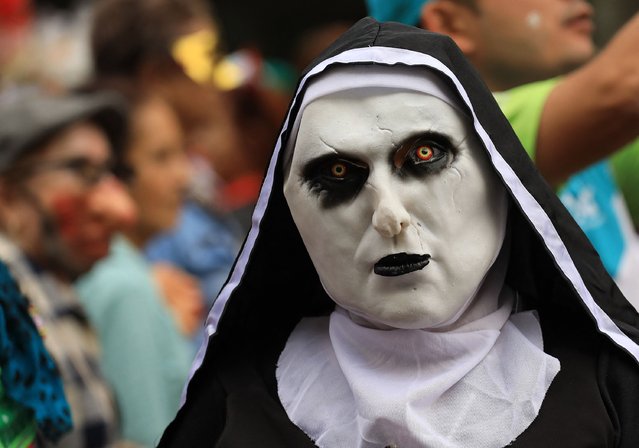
(523, 108)
(520, 97)
(122, 280)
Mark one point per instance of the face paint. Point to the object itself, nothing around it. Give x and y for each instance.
(85, 238)
(533, 20)
(397, 205)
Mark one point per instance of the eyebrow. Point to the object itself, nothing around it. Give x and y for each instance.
(401, 148)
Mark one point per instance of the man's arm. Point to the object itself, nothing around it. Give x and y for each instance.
(593, 111)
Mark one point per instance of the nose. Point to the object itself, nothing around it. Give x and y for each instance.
(110, 203)
(390, 216)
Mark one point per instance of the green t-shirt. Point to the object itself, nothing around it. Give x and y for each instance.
(523, 107)
(17, 425)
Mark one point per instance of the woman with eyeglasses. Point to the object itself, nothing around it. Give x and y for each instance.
(59, 208)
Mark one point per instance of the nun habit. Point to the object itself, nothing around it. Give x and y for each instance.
(553, 360)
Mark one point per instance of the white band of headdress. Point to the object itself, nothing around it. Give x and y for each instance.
(372, 77)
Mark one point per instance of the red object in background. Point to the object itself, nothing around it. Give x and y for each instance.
(14, 13)
(241, 192)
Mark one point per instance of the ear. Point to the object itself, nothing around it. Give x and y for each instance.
(6, 192)
(7, 205)
(453, 19)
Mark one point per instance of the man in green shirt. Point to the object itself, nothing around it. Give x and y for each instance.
(571, 110)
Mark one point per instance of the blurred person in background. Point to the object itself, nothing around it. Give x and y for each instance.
(267, 51)
(15, 28)
(59, 207)
(570, 110)
(44, 42)
(169, 47)
(144, 320)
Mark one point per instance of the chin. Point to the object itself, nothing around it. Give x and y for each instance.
(412, 322)
(93, 254)
(411, 315)
(71, 270)
(578, 54)
(87, 261)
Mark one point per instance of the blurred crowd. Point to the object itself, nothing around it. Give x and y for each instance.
(134, 135)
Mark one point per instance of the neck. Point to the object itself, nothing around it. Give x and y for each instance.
(138, 236)
(501, 78)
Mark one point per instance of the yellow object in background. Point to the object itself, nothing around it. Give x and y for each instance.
(196, 52)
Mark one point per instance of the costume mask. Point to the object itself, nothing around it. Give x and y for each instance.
(397, 205)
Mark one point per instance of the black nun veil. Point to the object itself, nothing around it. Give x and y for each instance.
(231, 399)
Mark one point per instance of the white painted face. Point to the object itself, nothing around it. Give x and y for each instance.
(397, 205)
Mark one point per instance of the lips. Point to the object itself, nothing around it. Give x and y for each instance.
(582, 23)
(400, 264)
(580, 18)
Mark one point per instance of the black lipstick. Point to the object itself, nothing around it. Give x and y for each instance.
(400, 264)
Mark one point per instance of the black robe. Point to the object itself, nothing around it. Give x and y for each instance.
(232, 400)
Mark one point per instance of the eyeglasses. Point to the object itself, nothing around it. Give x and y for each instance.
(89, 172)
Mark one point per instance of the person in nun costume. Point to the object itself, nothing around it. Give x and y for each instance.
(409, 279)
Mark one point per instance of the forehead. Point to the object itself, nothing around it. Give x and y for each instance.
(155, 126)
(360, 120)
(508, 8)
(83, 139)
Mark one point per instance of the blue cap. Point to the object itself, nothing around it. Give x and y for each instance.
(404, 11)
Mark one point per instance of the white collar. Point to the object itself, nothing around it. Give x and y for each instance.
(479, 385)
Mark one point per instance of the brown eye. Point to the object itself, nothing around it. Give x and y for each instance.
(338, 170)
(334, 180)
(424, 153)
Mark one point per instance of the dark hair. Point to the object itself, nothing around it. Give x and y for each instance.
(127, 34)
(471, 4)
(134, 97)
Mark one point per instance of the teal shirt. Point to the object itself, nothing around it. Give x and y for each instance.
(144, 357)
(523, 107)
(625, 166)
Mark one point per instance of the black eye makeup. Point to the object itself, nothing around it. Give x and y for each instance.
(335, 180)
(424, 154)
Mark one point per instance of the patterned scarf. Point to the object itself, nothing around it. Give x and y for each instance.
(29, 374)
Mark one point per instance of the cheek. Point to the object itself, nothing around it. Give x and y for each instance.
(434, 203)
(70, 215)
(533, 20)
(307, 215)
(327, 233)
(475, 191)
(147, 195)
(480, 214)
(157, 189)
